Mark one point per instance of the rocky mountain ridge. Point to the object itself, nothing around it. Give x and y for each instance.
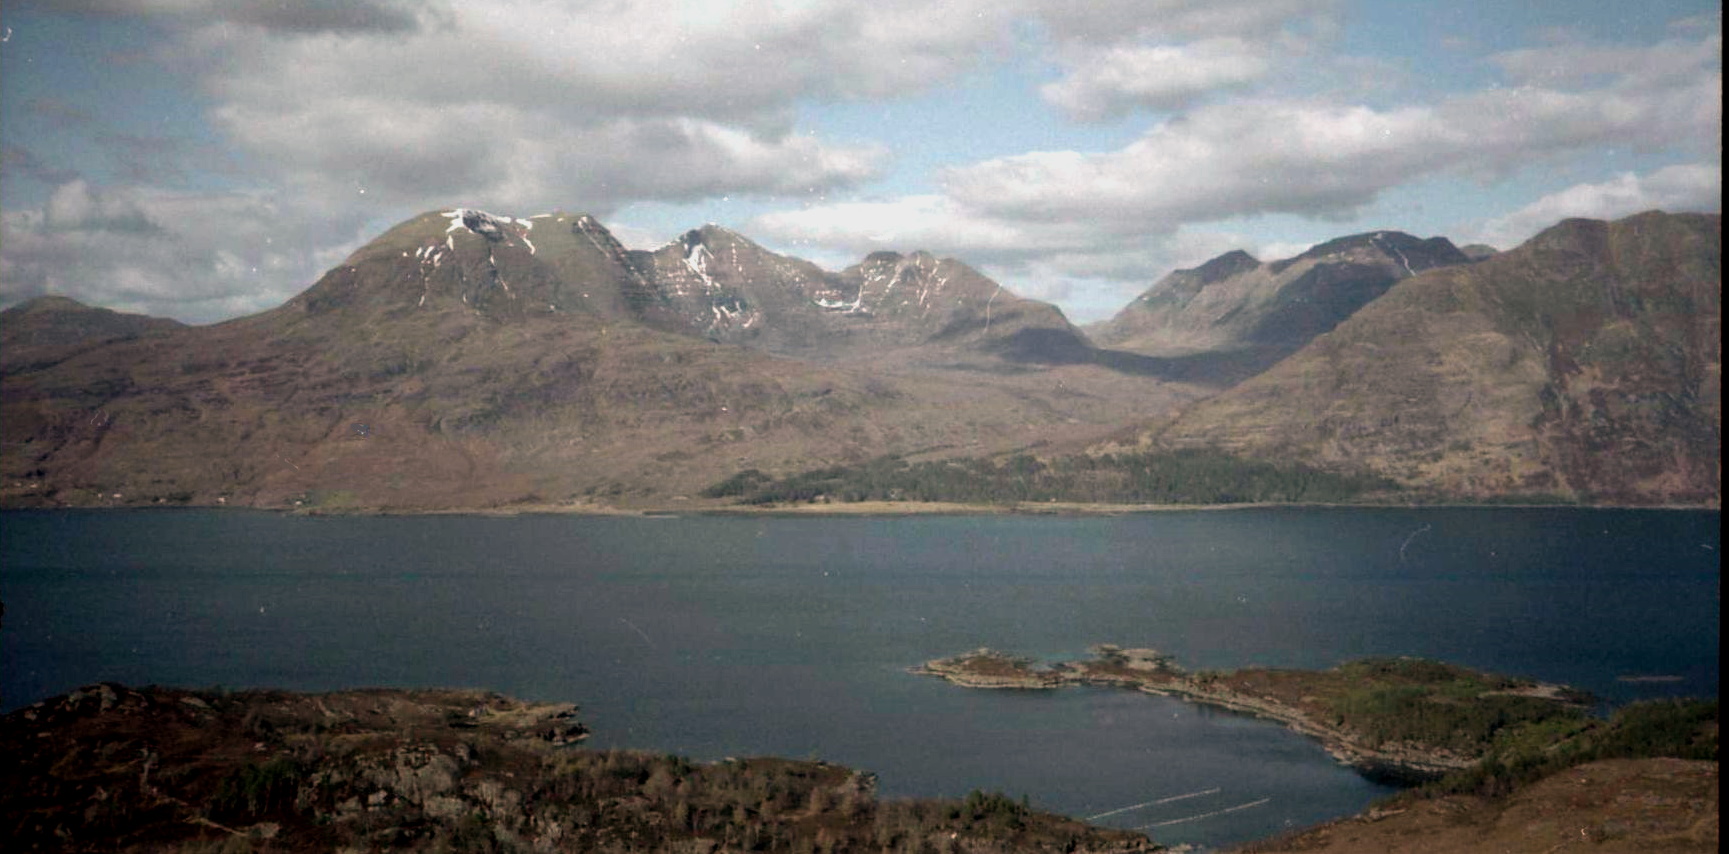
(1235, 316)
(464, 359)
(710, 282)
(720, 285)
(1583, 365)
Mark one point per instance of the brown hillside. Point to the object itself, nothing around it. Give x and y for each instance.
(446, 365)
(1584, 364)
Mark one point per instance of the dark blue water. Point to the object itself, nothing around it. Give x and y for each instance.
(716, 636)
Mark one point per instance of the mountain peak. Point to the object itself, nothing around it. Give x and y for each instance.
(1413, 253)
(1229, 264)
(711, 231)
(1234, 316)
(55, 304)
(490, 226)
(49, 303)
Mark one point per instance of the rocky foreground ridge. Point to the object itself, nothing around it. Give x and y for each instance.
(1400, 719)
(109, 768)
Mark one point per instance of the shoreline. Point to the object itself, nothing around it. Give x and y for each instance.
(1152, 672)
(862, 508)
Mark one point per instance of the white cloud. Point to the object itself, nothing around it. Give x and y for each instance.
(733, 61)
(514, 102)
(1328, 159)
(1118, 56)
(194, 257)
(419, 156)
(1696, 187)
(1045, 220)
(1108, 21)
(1212, 164)
(352, 112)
(304, 16)
(1628, 68)
(1093, 274)
(904, 224)
(75, 206)
(1109, 83)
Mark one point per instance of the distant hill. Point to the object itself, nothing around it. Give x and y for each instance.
(1235, 316)
(1582, 365)
(50, 329)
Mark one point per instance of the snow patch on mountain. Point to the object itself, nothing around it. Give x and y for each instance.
(493, 228)
(840, 305)
(697, 260)
(1379, 235)
(487, 225)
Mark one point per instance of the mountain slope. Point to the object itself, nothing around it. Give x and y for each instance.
(710, 283)
(720, 285)
(468, 360)
(45, 330)
(1235, 316)
(1583, 364)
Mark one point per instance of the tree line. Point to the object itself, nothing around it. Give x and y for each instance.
(1173, 477)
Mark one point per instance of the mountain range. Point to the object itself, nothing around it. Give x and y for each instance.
(468, 360)
(1234, 316)
(1586, 363)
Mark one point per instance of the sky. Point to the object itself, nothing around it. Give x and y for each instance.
(203, 159)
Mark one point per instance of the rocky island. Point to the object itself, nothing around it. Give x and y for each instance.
(1401, 719)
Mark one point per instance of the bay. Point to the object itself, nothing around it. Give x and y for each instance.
(717, 635)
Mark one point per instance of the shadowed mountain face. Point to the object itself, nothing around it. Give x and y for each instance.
(1234, 316)
(470, 360)
(1584, 364)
